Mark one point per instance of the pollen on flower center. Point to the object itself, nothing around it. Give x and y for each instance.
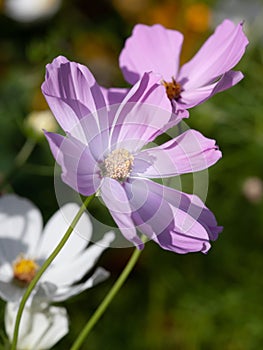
(118, 164)
(173, 89)
(24, 270)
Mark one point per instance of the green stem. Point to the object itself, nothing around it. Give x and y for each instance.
(45, 266)
(19, 161)
(109, 297)
(24, 153)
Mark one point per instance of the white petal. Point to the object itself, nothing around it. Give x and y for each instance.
(6, 272)
(55, 230)
(39, 329)
(58, 327)
(20, 227)
(10, 316)
(10, 292)
(64, 293)
(72, 271)
(43, 293)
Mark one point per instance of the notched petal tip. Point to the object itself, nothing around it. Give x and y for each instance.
(110, 236)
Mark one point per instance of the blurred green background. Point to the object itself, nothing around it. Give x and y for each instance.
(170, 301)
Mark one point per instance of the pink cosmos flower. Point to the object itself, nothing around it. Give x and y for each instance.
(103, 152)
(157, 49)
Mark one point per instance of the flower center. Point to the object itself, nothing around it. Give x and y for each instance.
(173, 89)
(24, 270)
(118, 164)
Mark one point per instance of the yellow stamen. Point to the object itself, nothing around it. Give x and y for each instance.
(24, 270)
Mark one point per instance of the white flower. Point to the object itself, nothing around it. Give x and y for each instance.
(39, 329)
(31, 10)
(24, 247)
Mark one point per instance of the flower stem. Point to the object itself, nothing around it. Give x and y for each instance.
(45, 266)
(19, 161)
(24, 153)
(109, 297)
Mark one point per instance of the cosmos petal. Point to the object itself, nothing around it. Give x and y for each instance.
(117, 202)
(10, 292)
(114, 95)
(144, 113)
(39, 328)
(219, 54)
(66, 292)
(187, 153)
(73, 96)
(191, 98)
(55, 230)
(151, 48)
(173, 226)
(190, 204)
(79, 168)
(21, 226)
(69, 271)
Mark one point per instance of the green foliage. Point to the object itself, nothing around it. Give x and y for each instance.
(190, 302)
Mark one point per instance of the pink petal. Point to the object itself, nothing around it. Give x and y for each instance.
(170, 226)
(113, 98)
(191, 98)
(151, 49)
(114, 95)
(79, 168)
(192, 205)
(116, 200)
(187, 153)
(144, 113)
(72, 94)
(219, 54)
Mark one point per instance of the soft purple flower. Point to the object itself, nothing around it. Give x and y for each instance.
(103, 153)
(157, 49)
